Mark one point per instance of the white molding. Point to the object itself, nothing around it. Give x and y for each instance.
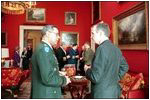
(92, 12)
(21, 34)
(92, 45)
(92, 41)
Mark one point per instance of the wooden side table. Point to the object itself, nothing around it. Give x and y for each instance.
(78, 87)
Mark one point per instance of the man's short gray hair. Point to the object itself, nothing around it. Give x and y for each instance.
(50, 28)
(103, 27)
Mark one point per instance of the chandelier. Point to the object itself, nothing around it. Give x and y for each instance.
(16, 7)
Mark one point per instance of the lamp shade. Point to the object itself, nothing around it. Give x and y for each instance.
(5, 52)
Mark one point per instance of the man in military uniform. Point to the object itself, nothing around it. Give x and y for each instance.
(108, 65)
(88, 54)
(46, 79)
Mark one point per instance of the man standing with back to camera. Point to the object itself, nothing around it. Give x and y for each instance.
(108, 66)
(46, 79)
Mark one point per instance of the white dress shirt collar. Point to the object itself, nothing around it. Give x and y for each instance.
(63, 49)
(47, 43)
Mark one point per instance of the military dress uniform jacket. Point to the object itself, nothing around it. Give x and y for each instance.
(46, 82)
(107, 69)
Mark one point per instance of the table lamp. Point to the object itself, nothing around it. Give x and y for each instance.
(5, 54)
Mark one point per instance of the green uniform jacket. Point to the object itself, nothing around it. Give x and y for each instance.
(108, 68)
(88, 56)
(46, 82)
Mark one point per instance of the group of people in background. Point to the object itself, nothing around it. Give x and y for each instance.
(25, 56)
(70, 55)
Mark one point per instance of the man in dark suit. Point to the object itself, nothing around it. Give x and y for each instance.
(73, 54)
(46, 79)
(62, 59)
(108, 66)
(25, 59)
(61, 56)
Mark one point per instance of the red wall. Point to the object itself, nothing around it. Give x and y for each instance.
(54, 15)
(137, 59)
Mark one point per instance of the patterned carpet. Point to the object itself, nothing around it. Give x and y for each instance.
(25, 90)
(26, 87)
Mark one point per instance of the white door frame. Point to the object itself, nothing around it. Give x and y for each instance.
(21, 34)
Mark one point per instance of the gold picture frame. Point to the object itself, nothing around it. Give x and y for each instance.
(35, 15)
(70, 18)
(69, 38)
(130, 28)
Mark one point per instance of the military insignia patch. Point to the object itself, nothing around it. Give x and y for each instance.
(46, 49)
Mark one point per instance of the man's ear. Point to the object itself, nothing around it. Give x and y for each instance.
(100, 33)
(101, 22)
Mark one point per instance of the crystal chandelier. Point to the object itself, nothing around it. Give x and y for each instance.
(16, 7)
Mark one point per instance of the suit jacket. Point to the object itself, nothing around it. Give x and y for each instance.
(25, 60)
(71, 52)
(29, 53)
(60, 54)
(46, 82)
(88, 56)
(108, 68)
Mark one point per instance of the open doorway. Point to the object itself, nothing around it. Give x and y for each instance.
(32, 38)
(29, 35)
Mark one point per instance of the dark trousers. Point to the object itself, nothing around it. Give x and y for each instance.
(81, 67)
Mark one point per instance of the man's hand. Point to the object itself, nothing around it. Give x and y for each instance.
(81, 58)
(77, 56)
(18, 64)
(73, 57)
(62, 73)
(86, 67)
(64, 58)
(68, 57)
(68, 80)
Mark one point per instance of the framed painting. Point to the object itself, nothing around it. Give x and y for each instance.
(70, 18)
(130, 28)
(4, 39)
(96, 11)
(70, 38)
(35, 15)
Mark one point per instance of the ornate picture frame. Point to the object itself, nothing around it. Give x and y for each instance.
(4, 39)
(70, 18)
(69, 38)
(130, 28)
(35, 15)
